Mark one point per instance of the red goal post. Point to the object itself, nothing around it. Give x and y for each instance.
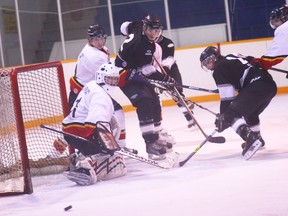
(30, 96)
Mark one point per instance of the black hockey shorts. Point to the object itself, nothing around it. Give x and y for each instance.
(253, 100)
(145, 99)
(86, 148)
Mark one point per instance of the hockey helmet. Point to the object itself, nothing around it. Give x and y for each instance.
(96, 31)
(152, 21)
(107, 75)
(208, 57)
(278, 16)
(152, 27)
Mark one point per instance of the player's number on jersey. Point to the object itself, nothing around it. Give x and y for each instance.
(75, 107)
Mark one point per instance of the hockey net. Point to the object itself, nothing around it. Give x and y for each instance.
(30, 96)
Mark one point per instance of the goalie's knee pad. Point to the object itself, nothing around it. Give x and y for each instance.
(109, 167)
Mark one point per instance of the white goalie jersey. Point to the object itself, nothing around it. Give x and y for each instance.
(93, 104)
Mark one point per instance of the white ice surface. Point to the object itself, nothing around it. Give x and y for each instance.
(217, 181)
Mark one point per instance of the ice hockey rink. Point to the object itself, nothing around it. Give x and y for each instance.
(217, 181)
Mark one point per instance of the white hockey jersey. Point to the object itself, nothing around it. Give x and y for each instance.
(93, 104)
(278, 50)
(88, 62)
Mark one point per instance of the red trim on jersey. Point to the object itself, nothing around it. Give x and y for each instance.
(123, 80)
(268, 62)
(85, 131)
(122, 135)
(75, 86)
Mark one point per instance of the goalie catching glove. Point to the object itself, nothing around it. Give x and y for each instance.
(106, 140)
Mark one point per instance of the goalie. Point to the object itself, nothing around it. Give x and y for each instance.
(91, 117)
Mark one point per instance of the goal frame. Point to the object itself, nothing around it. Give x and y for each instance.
(28, 187)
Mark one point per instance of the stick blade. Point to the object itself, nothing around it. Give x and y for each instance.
(219, 139)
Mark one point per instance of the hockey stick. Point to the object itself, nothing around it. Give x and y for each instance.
(165, 164)
(184, 86)
(165, 89)
(219, 139)
(280, 70)
(204, 108)
(181, 163)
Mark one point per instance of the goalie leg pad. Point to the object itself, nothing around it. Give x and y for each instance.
(109, 167)
(84, 174)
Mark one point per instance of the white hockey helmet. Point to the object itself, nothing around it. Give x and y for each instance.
(107, 76)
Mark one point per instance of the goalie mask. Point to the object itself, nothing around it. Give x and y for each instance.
(108, 77)
(278, 16)
(208, 58)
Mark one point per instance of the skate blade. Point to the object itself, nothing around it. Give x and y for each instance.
(252, 150)
(157, 157)
(171, 161)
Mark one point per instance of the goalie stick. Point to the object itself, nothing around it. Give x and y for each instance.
(165, 164)
(184, 86)
(219, 139)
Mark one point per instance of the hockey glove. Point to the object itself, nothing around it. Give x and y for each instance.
(135, 75)
(170, 80)
(220, 123)
(106, 140)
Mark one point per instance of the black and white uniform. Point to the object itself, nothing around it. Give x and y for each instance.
(255, 88)
(136, 52)
(168, 61)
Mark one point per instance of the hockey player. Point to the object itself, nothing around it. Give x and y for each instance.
(170, 66)
(241, 111)
(92, 56)
(137, 52)
(92, 117)
(278, 49)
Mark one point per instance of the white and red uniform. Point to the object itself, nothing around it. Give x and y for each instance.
(278, 50)
(88, 62)
(93, 104)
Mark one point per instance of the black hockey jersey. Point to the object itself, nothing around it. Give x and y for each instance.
(136, 51)
(232, 73)
(167, 46)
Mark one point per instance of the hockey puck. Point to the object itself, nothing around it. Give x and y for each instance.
(68, 208)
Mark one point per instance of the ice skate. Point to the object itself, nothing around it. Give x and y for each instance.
(166, 139)
(156, 151)
(252, 145)
(260, 138)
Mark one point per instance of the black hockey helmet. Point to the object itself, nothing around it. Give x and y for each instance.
(277, 15)
(210, 54)
(152, 21)
(96, 31)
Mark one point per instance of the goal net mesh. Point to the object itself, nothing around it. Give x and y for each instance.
(30, 96)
